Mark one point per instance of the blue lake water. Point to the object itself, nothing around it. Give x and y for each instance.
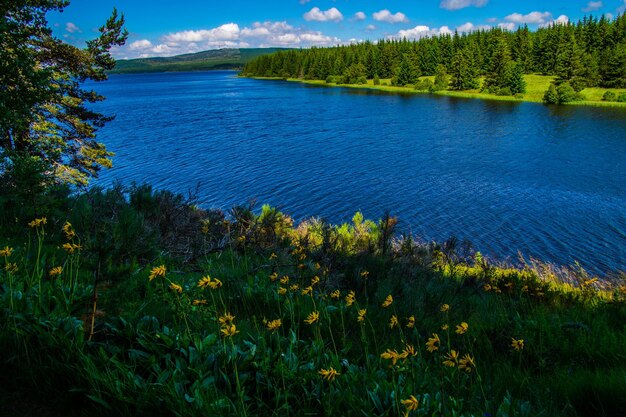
(549, 182)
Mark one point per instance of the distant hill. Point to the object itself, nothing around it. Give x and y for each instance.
(206, 60)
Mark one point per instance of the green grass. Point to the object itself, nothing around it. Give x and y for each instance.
(536, 87)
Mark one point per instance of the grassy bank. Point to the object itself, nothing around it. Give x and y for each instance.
(536, 88)
(136, 302)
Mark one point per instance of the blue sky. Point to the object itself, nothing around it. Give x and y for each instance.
(166, 27)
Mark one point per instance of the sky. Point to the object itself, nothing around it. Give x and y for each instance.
(166, 27)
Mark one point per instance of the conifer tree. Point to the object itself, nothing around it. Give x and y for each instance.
(463, 74)
(44, 107)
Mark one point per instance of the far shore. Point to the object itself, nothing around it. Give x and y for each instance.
(536, 87)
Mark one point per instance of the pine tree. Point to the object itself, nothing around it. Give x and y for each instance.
(463, 74)
(407, 73)
(516, 82)
(45, 111)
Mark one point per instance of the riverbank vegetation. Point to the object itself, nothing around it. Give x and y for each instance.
(130, 301)
(574, 57)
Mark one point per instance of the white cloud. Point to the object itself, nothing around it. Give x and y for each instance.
(140, 45)
(304, 1)
(510, 26)
(421, 31)
(609, 16)
(561, 20)
(318, 15)
(386, 16)
(72, 28)
(592, 6)
(370, 28)
(466, 27)
(259, 35)
(461, 4)
(359, 16)
(530, 18)
(622, 8)
(227, 32)
(492, 20)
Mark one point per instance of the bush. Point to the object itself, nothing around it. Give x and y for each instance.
(609, 96)
(361, 80)
(376, 80)
(621, 98)
(504, 91)
(424, 85)
(519, 96)
(578, 84)
(566, 93)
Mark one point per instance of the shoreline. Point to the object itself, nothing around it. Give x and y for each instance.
(447, 93)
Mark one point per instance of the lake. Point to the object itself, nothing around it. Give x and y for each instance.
(549, 182)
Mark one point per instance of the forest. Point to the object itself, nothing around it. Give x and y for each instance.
(588, 53)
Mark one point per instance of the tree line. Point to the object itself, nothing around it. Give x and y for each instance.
(588, 53)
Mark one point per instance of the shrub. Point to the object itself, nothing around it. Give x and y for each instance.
(621, 98)
(609, 96)
(566, 93)
(361, 80)
(424, 85)
(504, 91)
(376, 80)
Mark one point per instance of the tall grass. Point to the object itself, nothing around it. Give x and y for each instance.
(258, 316)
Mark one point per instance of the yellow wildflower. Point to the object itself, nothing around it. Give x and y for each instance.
(273, 276)
(274, 325)
(452, 359)
(6, 252)
(317, 265)
(411, 322)
(393, 321)
(391, 355)
(199, 302)
(229, 330)
(282, 290)
(315, 280)
(350, 298)
(273, 256)
(445, 327)
(408, 350)
(11, 267)
(302, 257)
(462, 328)
(433, 343)
(335, 294)
(204, 282)
(56, 271)
(467, 363)
(312, 317)
(517, 344)
(487, 287)
(362, 313)
(226, 319)
(388, 301)
(445, 308)
(215, 284)
(175, 287)
(411, 403)
(69, 231)
(294, 287)
(365, 274)
(308, 290)
(284, 280)
(38, 222)
(71, 247)
(156, 272)
(329, 374)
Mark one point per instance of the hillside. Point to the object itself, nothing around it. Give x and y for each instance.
(205, 60)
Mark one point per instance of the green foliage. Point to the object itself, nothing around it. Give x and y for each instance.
(105, 335)
(561, 94)
(441, 79)
(551, 96)
(424, 85)
(464, 72)
(354, 73)
(407, 72)
(609, 96)
(376, 80)
(45, 110)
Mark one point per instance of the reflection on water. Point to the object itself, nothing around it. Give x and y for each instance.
(509, 176)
